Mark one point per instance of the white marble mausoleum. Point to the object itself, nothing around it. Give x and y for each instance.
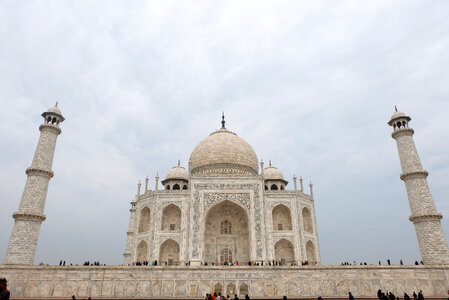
(223, 209)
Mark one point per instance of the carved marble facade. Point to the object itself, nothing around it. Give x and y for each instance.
(261, 282)
(222, 210)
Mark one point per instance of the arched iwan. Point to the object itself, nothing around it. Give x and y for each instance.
(169, 253)
(144, 221)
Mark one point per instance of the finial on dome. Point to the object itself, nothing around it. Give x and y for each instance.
(269, 163)
(56, 105)
(222, 121)
(179, 162)
(395, 108)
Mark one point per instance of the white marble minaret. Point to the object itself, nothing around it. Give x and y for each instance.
(431, 240)
(28, 219)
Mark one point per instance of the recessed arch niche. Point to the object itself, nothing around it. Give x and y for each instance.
(236, 241)
(169, 253)
(171, 218)
(281, 218)
(284, 251)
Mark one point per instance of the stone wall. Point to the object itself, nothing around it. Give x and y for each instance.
(140, 282)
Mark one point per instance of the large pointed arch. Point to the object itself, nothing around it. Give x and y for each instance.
(144, 220)
(171, 218)
(284, 251)
(282, 219)
(235, 239)
(311, 252)
(142, 252)
(307, 220)
(169, 253)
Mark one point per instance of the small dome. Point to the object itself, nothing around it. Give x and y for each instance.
(397, 114)
(177, 172)
(54, 110)
(223, 152)
(272, 173)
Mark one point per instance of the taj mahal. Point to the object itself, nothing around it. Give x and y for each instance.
(223, 210)
(224, 223)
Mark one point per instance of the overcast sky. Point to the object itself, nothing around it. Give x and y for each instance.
(310, 85)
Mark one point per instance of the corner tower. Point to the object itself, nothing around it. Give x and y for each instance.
(431, 240)
(29, 217)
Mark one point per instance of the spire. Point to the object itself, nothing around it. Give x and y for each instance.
(138, 188)
(156, 184)
(222, 121)
(311, 188)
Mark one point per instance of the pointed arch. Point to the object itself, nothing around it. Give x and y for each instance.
(282, 219)
(171, 218)
(142, 252)
(144, 221)
(311, 252)
(284, 251)
(235, 236)
(176, 186)
(307, 220)
(226, 227)
(169, 253)
(226, 255)
(218, 288)
(230, 289)
(243, 289)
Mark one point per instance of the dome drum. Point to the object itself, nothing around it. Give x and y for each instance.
(223, 169)
(174, 179)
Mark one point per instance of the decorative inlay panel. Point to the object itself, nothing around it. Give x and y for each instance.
(210, 199)
(197, 213)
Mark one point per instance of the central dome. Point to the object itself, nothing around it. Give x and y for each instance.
(223, 152)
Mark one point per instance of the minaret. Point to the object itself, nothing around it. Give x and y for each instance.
(28, 219)
(425, 217)
(131, 233)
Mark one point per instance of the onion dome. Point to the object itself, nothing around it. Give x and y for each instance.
(398, 115)
(177, 173)
(53, 112)
(274, 180)
(272, 173)
(223, 152)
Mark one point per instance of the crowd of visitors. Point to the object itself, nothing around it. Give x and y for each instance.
(226, 263)
(401, 262)
(88, 263)
(390, 296)
(219, 296)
